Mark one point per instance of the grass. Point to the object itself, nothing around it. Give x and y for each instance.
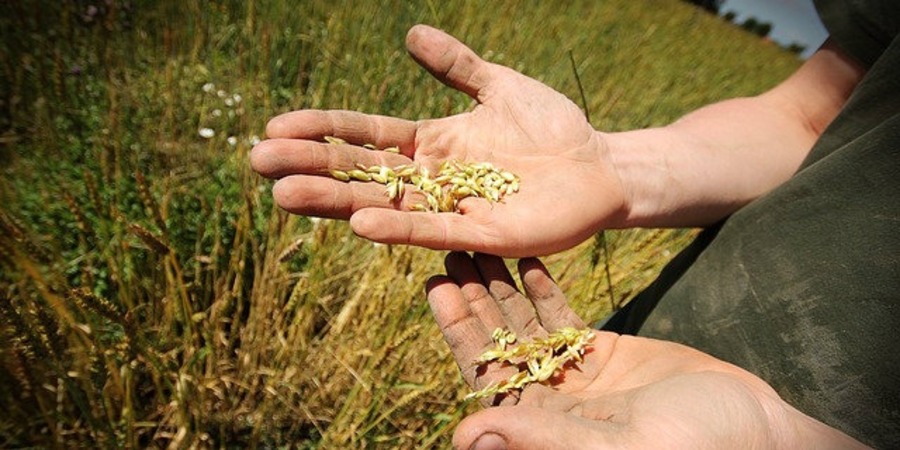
(150, 293)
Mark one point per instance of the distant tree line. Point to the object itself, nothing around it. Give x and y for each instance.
(751, 24)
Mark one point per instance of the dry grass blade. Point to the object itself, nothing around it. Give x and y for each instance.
(154, 242)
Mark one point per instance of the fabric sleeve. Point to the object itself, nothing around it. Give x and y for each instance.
(863, 29)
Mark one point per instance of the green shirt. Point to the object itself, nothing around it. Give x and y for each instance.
(802, 286)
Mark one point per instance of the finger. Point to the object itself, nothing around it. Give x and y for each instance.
(276, 158)
(461, 268)
(464, 332)
(449, 60)
(354, 127)
(462, 329)
(529, 427)
(326, 197)
(516, 309)
(444, 231)
(546, 296)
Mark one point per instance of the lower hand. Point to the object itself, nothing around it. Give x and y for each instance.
(629, 392)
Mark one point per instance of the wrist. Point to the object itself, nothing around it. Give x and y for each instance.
(794, 430)
(643, 175)
(673, 177)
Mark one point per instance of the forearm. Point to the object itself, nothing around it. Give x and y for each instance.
(715, 160)
(706, 165)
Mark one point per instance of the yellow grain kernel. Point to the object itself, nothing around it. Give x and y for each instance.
(340, 175)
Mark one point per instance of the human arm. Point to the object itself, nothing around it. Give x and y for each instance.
(574, 180)
(718, 158)
(629, 392)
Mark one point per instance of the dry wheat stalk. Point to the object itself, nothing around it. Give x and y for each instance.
(454, 181)
(291, 250)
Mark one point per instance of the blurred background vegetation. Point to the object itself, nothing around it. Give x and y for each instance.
(151, 296)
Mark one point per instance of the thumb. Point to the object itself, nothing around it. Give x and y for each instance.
(527, 427)
(449, 60)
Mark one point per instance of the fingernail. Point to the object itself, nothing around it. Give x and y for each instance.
(489, 441)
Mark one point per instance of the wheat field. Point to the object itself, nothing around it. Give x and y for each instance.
(151, 295)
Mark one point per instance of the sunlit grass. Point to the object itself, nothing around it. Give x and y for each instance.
(152, 295)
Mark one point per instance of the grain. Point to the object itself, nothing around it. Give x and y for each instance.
(454, 181)
(542, 357)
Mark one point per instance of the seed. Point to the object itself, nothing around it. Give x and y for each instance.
(432, 203)
(541, 357)
(453, 182)
(334, 140)
(392, 149)
(370, 146)
(340, 175)
(405, 171)
(463, 191)
(357, 174)
(392, 190)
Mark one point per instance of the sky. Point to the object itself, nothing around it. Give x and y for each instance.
(792, 20)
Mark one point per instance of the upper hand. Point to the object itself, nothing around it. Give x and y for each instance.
(568, 187)
(629, 392)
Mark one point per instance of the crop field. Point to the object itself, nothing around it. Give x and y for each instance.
(151, 294)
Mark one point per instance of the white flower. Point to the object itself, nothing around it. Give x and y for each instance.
(254, 140)
(232, 141)
(207, 133)
(229, 102)
(221, 93)
(217, 112)
(208, 87)
(237, 98)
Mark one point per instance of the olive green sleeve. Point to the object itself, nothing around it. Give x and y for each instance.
(863, 29)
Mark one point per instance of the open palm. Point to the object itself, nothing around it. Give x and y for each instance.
(629, 392)
(519, 124)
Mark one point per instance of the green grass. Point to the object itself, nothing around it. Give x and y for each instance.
(145, 296)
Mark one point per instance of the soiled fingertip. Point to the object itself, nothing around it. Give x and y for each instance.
(277, 127)
(533, 270)
(436, 282)
(283, 192)
(262, 159)
(377, 225)
(415, 35)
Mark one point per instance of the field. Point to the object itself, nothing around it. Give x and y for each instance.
(152, 296)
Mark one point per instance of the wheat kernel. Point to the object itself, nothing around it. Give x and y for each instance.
(340, 175)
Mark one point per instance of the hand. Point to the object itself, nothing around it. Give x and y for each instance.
(629, 392)
(568, 187)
